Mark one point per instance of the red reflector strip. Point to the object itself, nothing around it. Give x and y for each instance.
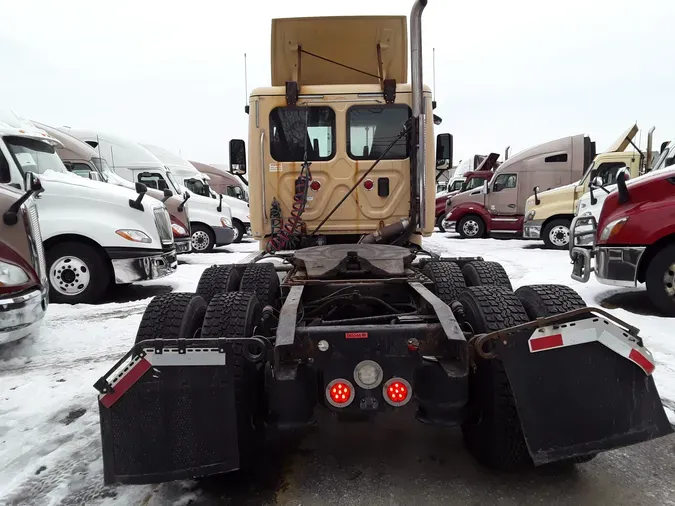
(356, 335)
(126, 382)
(546, 343)
(642, 361)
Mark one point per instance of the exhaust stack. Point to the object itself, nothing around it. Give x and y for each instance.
(418, 110)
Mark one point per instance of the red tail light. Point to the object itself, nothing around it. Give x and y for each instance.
(315, 186)
(368, 184)
(397, 392)
(340, 393)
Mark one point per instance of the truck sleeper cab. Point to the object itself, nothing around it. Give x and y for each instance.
(209, 226)
(223, 182)
(633, 240)
(94, 234)
(23, 275)
(83, 160)
(499, 209)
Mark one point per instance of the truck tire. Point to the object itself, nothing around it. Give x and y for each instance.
(203, 238)
(262, 280)
(439, 222)
(541, 301)
(471, 227)
(77, 273)
(218, 279)
(660, 280)
(480, 273)
(447, 278)
(556, 234)
(493, 434)
(239, 231)
(172, 316)
(236, 314)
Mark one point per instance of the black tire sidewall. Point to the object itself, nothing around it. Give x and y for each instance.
(99, 272)
(212, 239)
(439, 223)
(654, 280)
(477, 219)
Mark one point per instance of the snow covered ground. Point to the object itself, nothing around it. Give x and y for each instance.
(49, 433)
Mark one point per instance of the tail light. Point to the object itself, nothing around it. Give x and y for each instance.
(340, 393)
(178, 228)
(397, 392)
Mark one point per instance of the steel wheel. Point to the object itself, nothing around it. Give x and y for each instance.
(559, 236)
(471, 228)
(200, 240)
(69, 275)
(669, 280)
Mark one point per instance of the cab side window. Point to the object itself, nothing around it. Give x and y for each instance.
(153, 180)
(80, 169)
(5, 176)
(505, 181)
(608, 172)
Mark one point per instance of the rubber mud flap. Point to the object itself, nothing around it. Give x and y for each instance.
(173, 417)
(580, 400)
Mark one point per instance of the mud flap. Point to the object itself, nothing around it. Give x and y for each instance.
(168, 410)
(582, 388)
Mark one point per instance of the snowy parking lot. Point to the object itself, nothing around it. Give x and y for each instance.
(49, 433)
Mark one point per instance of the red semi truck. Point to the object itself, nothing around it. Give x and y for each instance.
(634, 238)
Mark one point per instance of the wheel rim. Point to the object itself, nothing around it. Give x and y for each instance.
(69, 276)
(200, 240)
(669, 281)
(559, 235)
(470, 228)
(236, 233)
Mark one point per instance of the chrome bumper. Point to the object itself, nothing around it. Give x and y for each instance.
(21, 316)
(129, 270)
(614, 265)
(532, 229)
(183, 245)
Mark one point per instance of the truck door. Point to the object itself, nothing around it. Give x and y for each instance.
(503, 195)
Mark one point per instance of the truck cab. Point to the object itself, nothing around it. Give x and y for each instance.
(633, 240)
(548, 214)
(23, 275)
(222, 182)
(198, 184)
(94, 234)
(498, 210)
(83, 160)
(209, 226)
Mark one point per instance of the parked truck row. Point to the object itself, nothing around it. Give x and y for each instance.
(85, 211)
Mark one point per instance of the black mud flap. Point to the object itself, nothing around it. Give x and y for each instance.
(167, 411)
(581, 399)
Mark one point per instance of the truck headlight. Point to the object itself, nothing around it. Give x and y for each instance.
(178, 230)
(530, 216)
(134, 236)
(12, 275)
(225, 222)
(612, 228)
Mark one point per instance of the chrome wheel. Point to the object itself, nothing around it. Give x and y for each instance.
(200, 240)
(669, 281)
(559, 236)
(69, 276)
(471, 228)
(236, 233)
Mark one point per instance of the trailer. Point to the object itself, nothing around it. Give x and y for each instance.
(343, 310)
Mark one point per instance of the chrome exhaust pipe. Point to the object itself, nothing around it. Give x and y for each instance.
(418, 110)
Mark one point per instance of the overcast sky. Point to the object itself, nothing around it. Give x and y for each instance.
(516, 72)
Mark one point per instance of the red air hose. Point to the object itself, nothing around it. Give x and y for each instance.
(290, 228)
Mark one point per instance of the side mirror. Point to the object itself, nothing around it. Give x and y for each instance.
(141, 189)
(597, 182)
(444, 148)
(95, 176)
(486, 188)
(670, 161)
(220, 204)
(32, 186)
(167, 194)
(624, 195)
(186, 196)
(237, 157)
(536, 195)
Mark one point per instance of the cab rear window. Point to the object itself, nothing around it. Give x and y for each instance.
(296, 131)
(371, 129)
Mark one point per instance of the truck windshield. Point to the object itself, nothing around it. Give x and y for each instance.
(474, 182)
(587, 174)
(172, 180)
(32, 155)
(667, 153)
(198, 187)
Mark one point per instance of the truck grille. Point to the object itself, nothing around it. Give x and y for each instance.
(35, 238)
(163, 223)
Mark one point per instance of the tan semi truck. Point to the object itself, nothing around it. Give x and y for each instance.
(368, 323)
(549, 214)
